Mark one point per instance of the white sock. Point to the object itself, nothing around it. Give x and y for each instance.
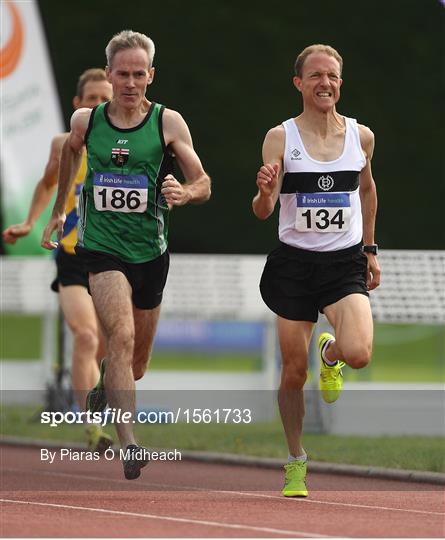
(291, 459)
(323, 355)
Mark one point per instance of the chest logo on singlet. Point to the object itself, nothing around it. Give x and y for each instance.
(295, 154)
(119, 156)
(326, 183)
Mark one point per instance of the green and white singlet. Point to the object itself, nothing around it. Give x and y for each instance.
(122, 210)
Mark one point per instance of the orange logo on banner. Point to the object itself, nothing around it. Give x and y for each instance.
(11, 52)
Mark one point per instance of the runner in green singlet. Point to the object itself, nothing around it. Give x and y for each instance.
(123, 227)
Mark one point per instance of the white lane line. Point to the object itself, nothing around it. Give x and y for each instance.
(335, 503)
(175, 487)
(174, 519)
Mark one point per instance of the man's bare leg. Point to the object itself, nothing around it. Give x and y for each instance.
(78, 311)
(351, 319)
(111, 294)
(146, 322)
(294, 337)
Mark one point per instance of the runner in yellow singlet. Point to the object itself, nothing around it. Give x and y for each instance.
(72, 280)
(69, 239)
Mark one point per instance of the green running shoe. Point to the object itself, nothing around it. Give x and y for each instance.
(96, 398)
(331, 377)
(295, 479)
(98, 440)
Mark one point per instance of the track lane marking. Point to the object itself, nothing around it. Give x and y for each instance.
(242, 493)
(174, 519)
(335, 503)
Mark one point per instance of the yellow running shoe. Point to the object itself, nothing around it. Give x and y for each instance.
(331, 377)
(98, 440)
(295, 479)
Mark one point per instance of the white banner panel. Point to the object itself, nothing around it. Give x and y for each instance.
(31, 115)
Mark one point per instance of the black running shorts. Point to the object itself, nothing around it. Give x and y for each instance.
(297, 284)
(70, 271)
(147, 279)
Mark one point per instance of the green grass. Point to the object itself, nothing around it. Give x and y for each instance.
(20, 337)
(408, 353)
(402, 353)
(262, 439)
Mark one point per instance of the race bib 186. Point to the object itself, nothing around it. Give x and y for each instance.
(323, 212)
(120, 193)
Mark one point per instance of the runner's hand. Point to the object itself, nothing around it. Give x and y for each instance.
(14, 232)
(267, 178)
(55, 223)
(373, 279)
(174, 192)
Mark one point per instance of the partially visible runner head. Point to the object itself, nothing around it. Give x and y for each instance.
(92, 88)
(92, 74)
(317, 48)
(127, 39)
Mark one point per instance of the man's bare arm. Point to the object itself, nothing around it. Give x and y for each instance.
(42, 195)
(196, 188)
(270, 175)
(69, 165)
(368, 198)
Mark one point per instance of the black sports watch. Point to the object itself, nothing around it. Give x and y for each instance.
(370, 248)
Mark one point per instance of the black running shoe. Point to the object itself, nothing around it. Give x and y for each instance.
(96, 398)
(135, 458)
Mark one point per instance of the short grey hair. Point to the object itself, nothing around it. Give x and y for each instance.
(127, 39)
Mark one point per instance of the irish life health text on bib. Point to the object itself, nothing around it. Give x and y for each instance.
(323, 212)
(120, 193)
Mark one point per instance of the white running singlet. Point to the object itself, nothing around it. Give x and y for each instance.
(320, 206)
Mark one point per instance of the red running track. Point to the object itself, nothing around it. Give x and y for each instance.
(192, 499)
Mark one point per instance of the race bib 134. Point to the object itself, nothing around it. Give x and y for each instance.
(323, 212)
